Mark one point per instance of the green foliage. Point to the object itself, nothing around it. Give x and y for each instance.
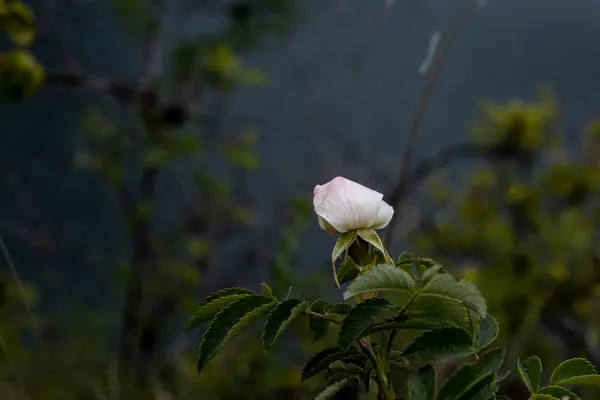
(530, 370)
(229, 322)
(439, 344)
(281, 316)
(318, 326)
(360, 317)
(558, 392)
(488, 332)
(570, 369)
(573, 372)
(215, 303)
(358, 357)
(381, 278)
(470, 376)
(21, 74)
(524, 218)
(321, 361)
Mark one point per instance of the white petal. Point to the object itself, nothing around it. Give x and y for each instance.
(384, 215)
(346, 205)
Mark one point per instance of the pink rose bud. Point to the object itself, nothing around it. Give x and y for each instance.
(343, 205)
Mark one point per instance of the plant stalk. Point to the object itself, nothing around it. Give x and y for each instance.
(386, 391)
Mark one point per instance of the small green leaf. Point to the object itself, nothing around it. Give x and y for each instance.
(318, 326)
(530, 370)
(468, 376)
(370, 236)
(488, 332)
(348, 271)
(267, 291)
(343, 243)
(333, 389)
(214, 303)
(229, 322)
(383, 277)
(321, 361)
(438, 345)
(571, 368)
(360, 317)
(281, 316)
(558, 392)
(421, 385)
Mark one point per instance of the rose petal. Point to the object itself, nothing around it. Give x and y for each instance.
(346, 205)
(384, 215)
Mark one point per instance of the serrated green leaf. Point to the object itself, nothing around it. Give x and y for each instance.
(488, 332)
(558, 392)
(383, 277)
(343, 243)
(339, 368)
(333, 389)
(281, 316)
(572, 368)
(430, 273)
(438, 345)
(229, 322)
(318, 326)
(360, 317)
(267, 291)
(321, 361)
(530, 370)
(421, 385)
(469, 375)
(428, 313)
(543, 397)
(581, 380)
(445, 286)
(370, 236)
(214, 303)
(405, 258)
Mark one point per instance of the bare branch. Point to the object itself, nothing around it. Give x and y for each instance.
(120, 91)
(454, 30)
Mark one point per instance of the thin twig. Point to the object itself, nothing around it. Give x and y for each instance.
(455, 29)
(15, 276)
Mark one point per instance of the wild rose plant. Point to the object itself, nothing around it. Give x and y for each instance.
(398, 318)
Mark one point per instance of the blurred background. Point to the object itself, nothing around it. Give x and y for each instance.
(154, 150)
